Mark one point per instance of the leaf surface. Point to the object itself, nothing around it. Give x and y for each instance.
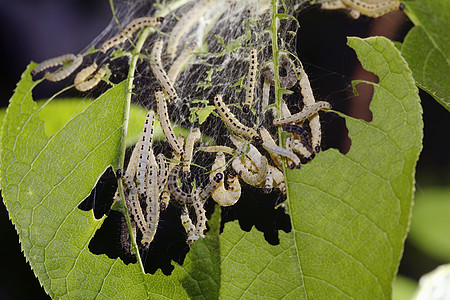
(349, 212)
(426, 48)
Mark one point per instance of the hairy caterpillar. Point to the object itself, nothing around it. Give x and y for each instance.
(233, 123)
(165, 122)
(84, 85)
(129, 30)
(65, 71)
(251, 79)
(308, 112)
(160, 73)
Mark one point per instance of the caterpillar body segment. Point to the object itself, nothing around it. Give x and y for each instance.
(251, 81)
(232, 122)
(301, 133)
(192, 137)
(224, 149)
(129, 30)
(65, 71)
(188, 226)
(267, 138)
(83, 84)
(165, 122)
(145, 149)
(297, 147)
(249, 177)
(221, 195)
(163, 171)
(152, 201)
(53, 62)
(160, 73)
(277, 150)
(175, 191)
(180, 62)
(308, 112)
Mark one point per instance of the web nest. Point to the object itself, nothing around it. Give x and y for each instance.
(209, 67)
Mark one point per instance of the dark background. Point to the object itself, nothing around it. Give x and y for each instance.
(37, 30)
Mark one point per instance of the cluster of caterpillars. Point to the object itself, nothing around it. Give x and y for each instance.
(150, 181)
(90, 76)
(370, 8)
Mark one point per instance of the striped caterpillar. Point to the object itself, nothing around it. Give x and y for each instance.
(232, 122)
(251, 79)
(308, 112)
(160, 73)
(129, 30)
(165, 122)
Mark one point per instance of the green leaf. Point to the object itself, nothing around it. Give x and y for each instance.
(430, 225)
(57, 113)
(350, 213)
(426, 48)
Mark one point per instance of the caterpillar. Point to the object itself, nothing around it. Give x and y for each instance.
(265, 95)
(152, 201)
(185, 24)
(175, 191)
(301, 132)
(192, 137)
(233, 123)
(287, 81)
(248, 176)
(129, 30)
(84, 85)
(251, 79)
(165, 194)
(65, 71)
(163, 172)
(53, 62)
(144, 150)
(180, 62)
(224, 149)
(308, 112)
(372, 8)
(221, 195)
(296, 146)
(267, 138)
(200, 197)
(165, 123)
(277, 150)
(188, 226)
(160, 73)
(268, 182)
